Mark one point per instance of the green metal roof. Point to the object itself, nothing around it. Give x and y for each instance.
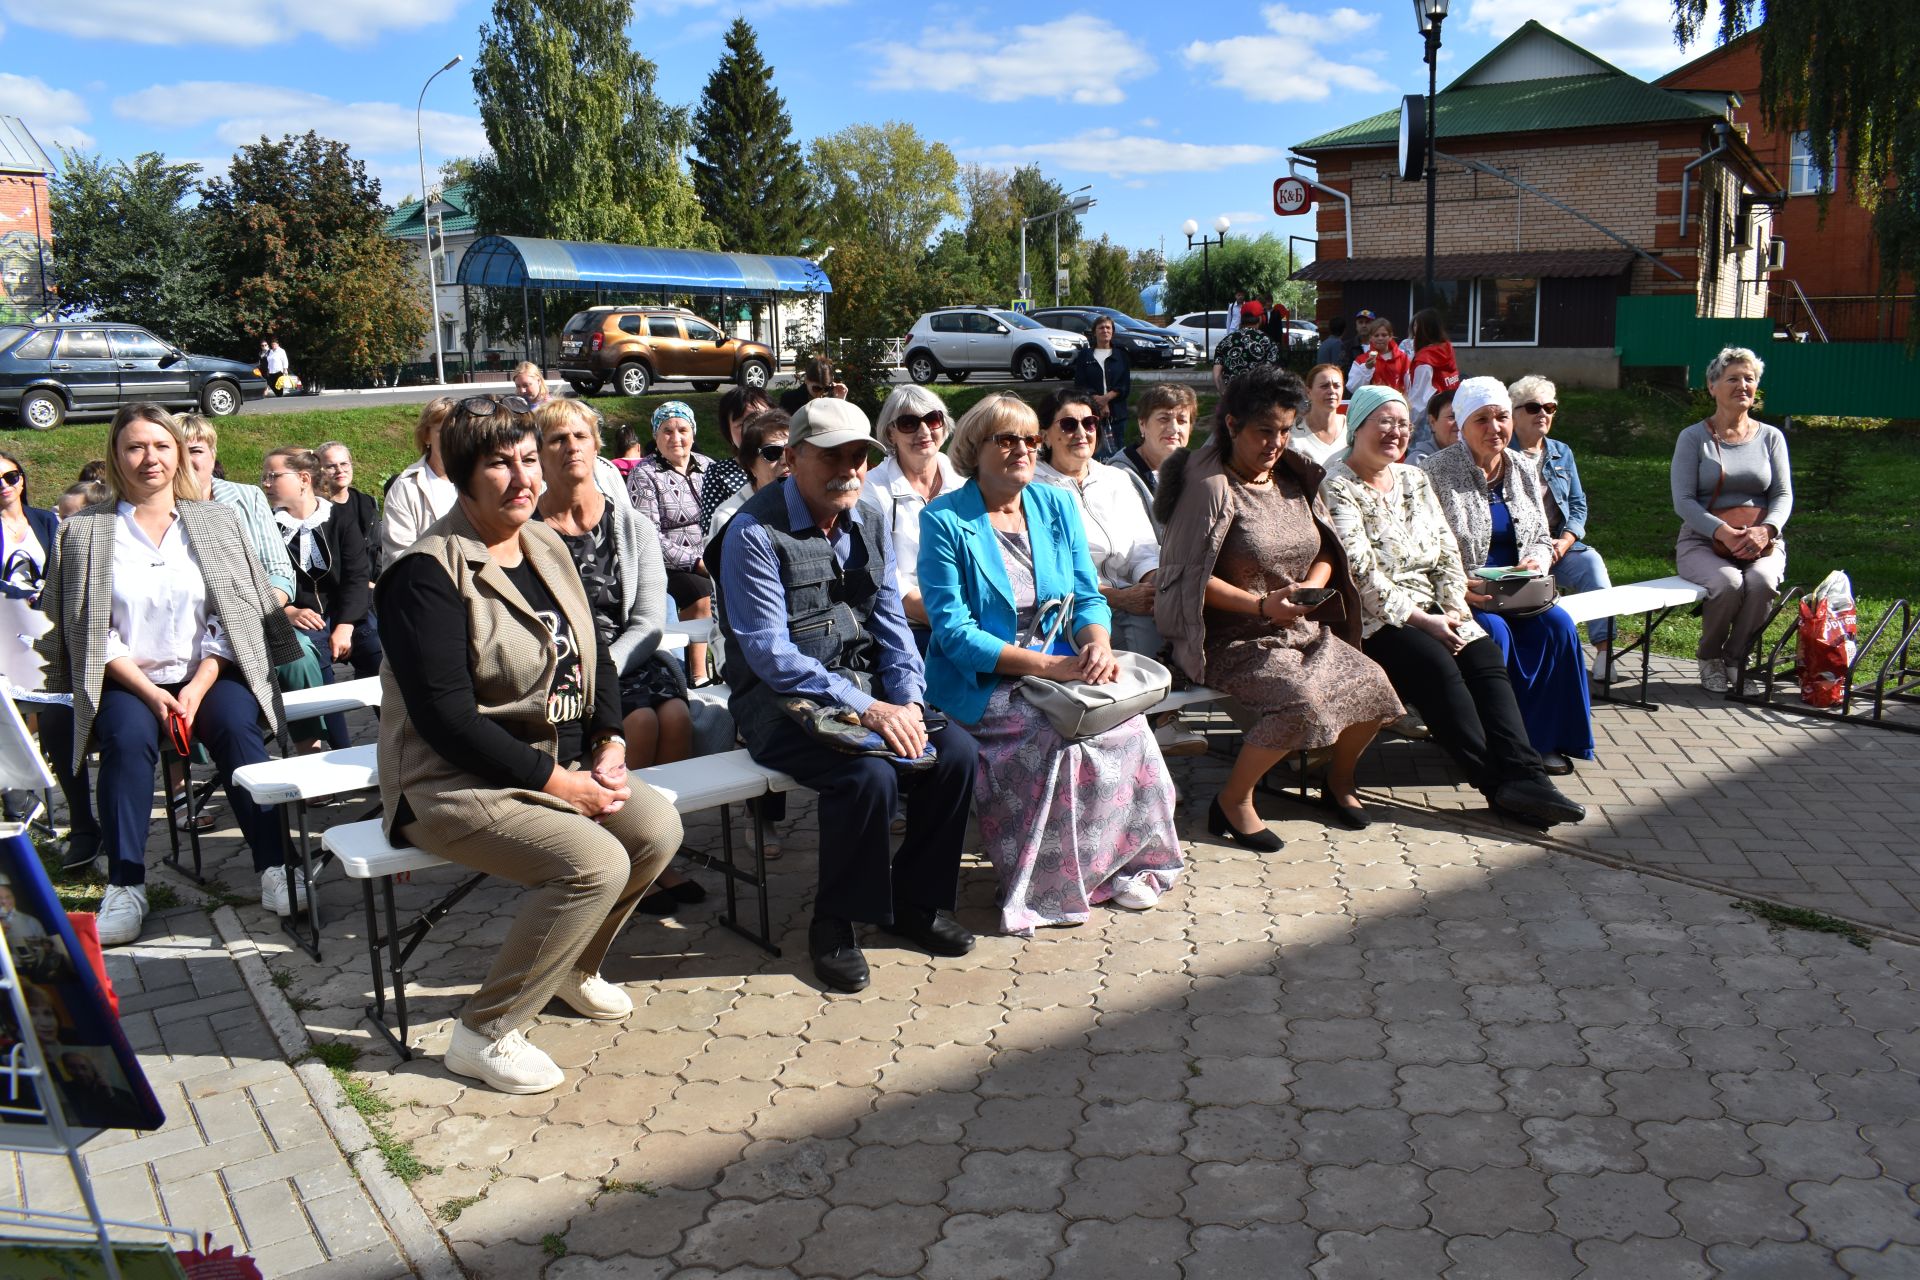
(456, 218)
(1526, 106)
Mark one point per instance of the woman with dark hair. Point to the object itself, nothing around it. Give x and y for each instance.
(1102, 373)
(727, 476)
(760, 449)
(1433, 368)
(1246, 560)
(816, 380)
(627, 449)
(500, 744)
(1443, 429)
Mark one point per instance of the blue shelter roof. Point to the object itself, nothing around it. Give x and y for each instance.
(514, 262)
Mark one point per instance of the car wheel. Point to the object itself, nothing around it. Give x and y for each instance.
(584, 386)
(220, 400)
(755, 374)
(923, 368)
(1030, 365)
(961, 376)
(42, 410)
(633, 379)
(705, 388)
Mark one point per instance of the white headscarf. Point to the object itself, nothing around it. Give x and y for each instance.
(1478, 393)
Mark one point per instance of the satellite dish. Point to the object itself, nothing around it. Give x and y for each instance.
(1413, 138)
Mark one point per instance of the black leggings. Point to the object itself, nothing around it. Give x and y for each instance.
(1466, 699)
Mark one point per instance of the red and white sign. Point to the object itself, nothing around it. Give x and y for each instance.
(1291, 195)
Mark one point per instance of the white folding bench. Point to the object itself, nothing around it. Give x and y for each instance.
(1655, 599)
(288, 785)
(705, 782)
(332, 699)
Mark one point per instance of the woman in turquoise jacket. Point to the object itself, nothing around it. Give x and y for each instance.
(1066, 823)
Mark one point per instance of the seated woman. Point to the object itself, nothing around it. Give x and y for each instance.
(1246, 531)
(1166, 423)
(627, 450)
(500, 744)
(913, 435)
(1733, 491)
(330, 571)
(727, 476)
(1321, 436)
(1576, 566)
(422, 493)
(160, 610)
(1490, 495)
(665, 486)
(1067, 824)
(761, 451)
(1443, 429)
(1415, 616)
(1115, 513)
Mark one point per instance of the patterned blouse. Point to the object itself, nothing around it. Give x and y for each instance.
(1244, 349)
(726, 477)
(672, 502)
(1402, 550)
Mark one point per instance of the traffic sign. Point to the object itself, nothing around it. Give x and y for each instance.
(1291, 195)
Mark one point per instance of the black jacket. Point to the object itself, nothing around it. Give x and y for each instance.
(339, 591)
(366, 514)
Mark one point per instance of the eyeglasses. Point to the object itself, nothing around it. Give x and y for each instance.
(336, 466)
(1009, 441)
(11, 478)
(909, 424)
(487, 406)
(1534, 406)
(268, 477)
(772, 452)
(1078, 426)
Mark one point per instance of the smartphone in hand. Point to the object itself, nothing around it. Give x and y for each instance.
(1311, 597)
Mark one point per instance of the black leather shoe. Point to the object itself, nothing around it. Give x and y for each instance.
(1353, 819)
(82, 848)
(837, 959)
(932, 930)
(1536, 801)
(1556, 764)
(1261, 841)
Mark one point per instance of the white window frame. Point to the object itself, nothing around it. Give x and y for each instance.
(1473, 310)
(1800, 168)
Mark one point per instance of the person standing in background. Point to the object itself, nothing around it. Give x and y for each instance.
(275, 358)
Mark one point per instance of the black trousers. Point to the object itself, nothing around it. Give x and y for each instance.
(861, 874)
(1466, 699)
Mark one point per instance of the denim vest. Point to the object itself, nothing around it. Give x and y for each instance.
(828, 608)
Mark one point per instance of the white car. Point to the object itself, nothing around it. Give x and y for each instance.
(1193, 326)
(960, 341)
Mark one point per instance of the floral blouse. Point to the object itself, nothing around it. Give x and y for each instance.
(1403, 552)
(672, 502)
(1244, 349)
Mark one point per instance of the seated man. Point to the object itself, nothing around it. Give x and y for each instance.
(809, 608)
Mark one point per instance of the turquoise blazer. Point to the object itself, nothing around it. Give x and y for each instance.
(969, 600)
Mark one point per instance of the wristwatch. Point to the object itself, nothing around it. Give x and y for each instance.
(605, 738)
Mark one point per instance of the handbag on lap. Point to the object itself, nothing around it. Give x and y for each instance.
(1075, 708)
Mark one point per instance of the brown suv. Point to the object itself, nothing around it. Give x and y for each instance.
(635, 346)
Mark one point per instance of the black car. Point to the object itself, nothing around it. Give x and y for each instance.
(50, 371)
(1146, 346)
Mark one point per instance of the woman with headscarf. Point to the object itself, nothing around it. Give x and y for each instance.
(665, 487)
(1490, 494)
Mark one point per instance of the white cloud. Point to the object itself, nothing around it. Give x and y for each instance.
(54, 115)
(245, 23)
(1106, 151)
(1246, 217)
(1290, 65)
(241, 113)
(1633, 34)
(1079, 57)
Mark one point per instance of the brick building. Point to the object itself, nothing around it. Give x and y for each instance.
(1527, 285)
(26, 226)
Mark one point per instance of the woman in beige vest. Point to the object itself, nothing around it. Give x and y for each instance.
(511, 760)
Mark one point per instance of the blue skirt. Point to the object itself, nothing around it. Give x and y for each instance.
(1549, 679)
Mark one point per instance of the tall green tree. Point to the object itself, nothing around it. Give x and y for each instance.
(582, 146)
(133, 247)
(885, 185)
(299, 252)
(1258, 265)
(748, 171)
(1847, 75)
(1109, 283)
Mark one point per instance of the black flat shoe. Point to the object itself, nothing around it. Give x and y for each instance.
(687, 892)
(661, 902)
(1556, 764)
(1536, 802)
(837, 959)
(1261, 841)
(1353, 819)
(931, 930)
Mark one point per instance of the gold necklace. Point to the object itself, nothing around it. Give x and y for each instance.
(1247, 479)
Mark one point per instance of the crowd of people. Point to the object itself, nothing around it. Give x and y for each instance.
(879, 627)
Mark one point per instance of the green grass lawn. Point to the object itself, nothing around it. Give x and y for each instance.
(1856, 482)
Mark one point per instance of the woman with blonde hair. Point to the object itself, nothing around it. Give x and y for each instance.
(913, 430)
(422, 493)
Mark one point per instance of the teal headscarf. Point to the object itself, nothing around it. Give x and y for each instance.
(1367, 401)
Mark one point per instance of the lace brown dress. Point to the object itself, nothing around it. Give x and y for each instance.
(1305, 683)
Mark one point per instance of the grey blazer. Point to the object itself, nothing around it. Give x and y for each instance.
(643, 587)
(1462, 489)
(79, 594)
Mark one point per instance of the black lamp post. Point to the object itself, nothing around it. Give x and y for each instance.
(1431, 14)
(1220, 224)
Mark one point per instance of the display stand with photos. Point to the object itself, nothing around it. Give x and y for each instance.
(66, 1069)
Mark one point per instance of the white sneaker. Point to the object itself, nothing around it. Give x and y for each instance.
(1132, 894)
(123, 910)
(1601, 670)
(273, 891)
(592, 996)
(511, 1064)
(1175, 741)
(1713, 675)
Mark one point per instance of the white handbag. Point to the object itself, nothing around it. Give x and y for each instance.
(1075, 708)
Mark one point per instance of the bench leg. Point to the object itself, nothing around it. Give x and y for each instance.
(377, 1011)
(764, 938)
(1649, 623)
(290, 924)
(398, 955)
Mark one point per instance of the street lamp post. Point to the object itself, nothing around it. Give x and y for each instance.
(1076, 203)
(1431, 13)
(426, 227)
(1220, 224)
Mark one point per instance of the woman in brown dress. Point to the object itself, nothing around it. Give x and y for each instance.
(1246, 531)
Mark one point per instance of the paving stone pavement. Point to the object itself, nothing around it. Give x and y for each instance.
(1433, 1048)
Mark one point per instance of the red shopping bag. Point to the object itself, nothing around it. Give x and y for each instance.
(1828, 627)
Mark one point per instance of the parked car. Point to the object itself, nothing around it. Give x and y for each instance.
(1146, 346)
(634, 347)
(1202, 328)
(960, 341)
(1303, 333)
(50, 372)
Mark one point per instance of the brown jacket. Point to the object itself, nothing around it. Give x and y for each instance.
(1196, 503)
(511, 657)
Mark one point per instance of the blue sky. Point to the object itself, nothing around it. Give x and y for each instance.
(1170, 112)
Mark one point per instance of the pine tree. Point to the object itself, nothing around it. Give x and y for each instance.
(748, 170)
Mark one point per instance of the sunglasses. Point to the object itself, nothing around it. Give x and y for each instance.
(908, 424)
(1534, 406)
(487, 406)
(772, 452)
(1077, 426)
(1009, 441)
(11, 478)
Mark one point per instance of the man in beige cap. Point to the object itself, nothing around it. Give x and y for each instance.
(809, 609)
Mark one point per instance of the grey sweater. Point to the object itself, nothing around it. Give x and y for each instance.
(1756, 474)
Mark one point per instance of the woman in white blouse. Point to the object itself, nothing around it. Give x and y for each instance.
(161, 614)
(1321, 436)
(1415, 621)
(913, 433)
(422, 493)
(1115, 509)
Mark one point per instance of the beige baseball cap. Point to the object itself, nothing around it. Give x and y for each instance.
(829, 422)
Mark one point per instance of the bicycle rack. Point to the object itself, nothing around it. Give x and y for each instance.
(1895, 679)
